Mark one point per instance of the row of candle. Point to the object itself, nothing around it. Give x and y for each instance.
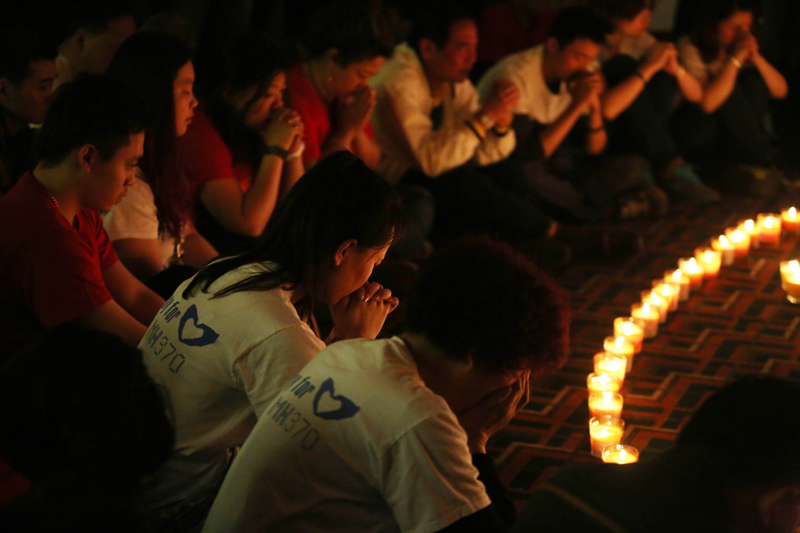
(606, 426)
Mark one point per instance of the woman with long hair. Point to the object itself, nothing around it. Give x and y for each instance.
(231, 338)
(152, 228)
(721, 51)
(242, 152)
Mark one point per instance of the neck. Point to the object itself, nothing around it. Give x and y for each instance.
(314, 70)
(59, 183)
(549, 68)
(437, 371)
(614, 40)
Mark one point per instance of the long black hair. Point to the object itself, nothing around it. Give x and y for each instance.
(148, 63)
(337, 200)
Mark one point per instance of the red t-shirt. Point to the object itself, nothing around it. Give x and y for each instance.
(315, 114)
(50, 271)
(206, 157)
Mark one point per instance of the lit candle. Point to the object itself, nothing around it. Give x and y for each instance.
(710, 260)
(769, 229)
(726, 248)
(630, 328)
(612, 364)
(670, 291)
(602, 383)
(658, 302)
(677, 276)
(749, 227)
(790, 280)
(741, 241)
(791, 222)
(605, 431)
(605, 404)
(692, 268)
(648, 315)
(620, 454)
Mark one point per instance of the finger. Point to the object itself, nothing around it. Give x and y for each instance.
(382, 294)
(370, 289)
(392, 303)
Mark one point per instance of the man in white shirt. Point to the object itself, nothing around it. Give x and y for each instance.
(390, 435)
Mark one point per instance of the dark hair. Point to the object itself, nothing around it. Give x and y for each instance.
(338, 199)
(434, 20)
(357, 29)
(92, 110)
(579, 22)
(148, 63)
(701, 20)
(19, 47)
(81, 401)
(484, 298)
(622, 9)
(95, 15)
(251, 63)
(749, 431)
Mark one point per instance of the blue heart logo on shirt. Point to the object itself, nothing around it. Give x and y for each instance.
(192, 333)
(329, 406)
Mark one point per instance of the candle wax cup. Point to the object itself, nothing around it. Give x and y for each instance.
(740, 240)
(709, 260)
(631, 329)
(612, 364)
(726, 248)
(769, 229)
(605, 431)
(605, 404)
(790, 221)
(602, 383)
(649, 317)
(620, 454)
(790, 280)
(693, 270)
(676, 276)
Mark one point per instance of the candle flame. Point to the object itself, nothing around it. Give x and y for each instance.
(708, 256)
(723, 240)
(646, 308)
(792, 212)
(794, 264)
(620, 342)
(749, 224)
(677, 275)
(768, 222)
(622, 454)
(666, 291)
(738, 236)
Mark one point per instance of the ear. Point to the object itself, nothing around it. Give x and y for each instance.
(427, 48)
(346, 248)
(552, 45)
(87, 154)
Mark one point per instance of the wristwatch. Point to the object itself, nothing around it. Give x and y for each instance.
(281, 152)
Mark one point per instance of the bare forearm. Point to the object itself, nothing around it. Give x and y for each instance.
(596, 136)
(293, 170)
(367, 150)
(197, 251)
(554, 135)
(260, 200)
(776, 83)
(717, 91)
(337, 140)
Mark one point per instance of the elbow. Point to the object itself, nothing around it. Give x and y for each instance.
(708, 107)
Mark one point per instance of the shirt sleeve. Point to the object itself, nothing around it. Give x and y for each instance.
(203, 153)
(432, 462)
(65, 278)
(268, 367)
(135, 216)
(689, 57)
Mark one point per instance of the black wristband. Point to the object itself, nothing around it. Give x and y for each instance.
(499, 133)
(283, 153)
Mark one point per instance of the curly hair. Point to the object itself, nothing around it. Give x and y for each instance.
(484, 298)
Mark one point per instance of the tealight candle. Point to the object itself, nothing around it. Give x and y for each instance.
(726, 248)
(630, 328)
(741, 241)
(620, 346)
(648, 315)
(658, 302)
(769, 229)
(605, 431)
(605, 404)
(677, 276)
(620, 454)
(670, 291)
(791, 222)
(710, 260)
(612, 364)
(602, 383)
(749, 227)
(692, 268)
(790, 280)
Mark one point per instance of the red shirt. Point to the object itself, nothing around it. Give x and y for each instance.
(206, 157)
(312, 109)
(50, 271)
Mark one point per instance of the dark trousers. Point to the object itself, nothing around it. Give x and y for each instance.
(490, 199)
(643, 128)
(734, 133)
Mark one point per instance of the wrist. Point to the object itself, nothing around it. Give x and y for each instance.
(272, 149)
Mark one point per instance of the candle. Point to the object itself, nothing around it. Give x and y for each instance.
(710, 260)
(612, 364)
(791, 222)
(620, 346)
(605, 404)
(749, 227)
(790, 280)
(605, 431)
(620, 454)
(630, 328)
(769, 229)
(661, 304)
(677, 276)
(692, 268)
(726, 248)
(741, 241)
(602, 383)
(648, 315)
(670, 291)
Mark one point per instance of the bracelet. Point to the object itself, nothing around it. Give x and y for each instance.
(500, 133)
(640, 76)
(297, 153)
(736, 62)
(279, 151)
(477, 129)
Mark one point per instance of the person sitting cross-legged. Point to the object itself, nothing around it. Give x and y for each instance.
(390, 434)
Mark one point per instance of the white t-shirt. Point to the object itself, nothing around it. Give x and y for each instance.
(637, 47)
(356, 442)
(221, 361)
(536, 101)
(135, 218)
(692, 61)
